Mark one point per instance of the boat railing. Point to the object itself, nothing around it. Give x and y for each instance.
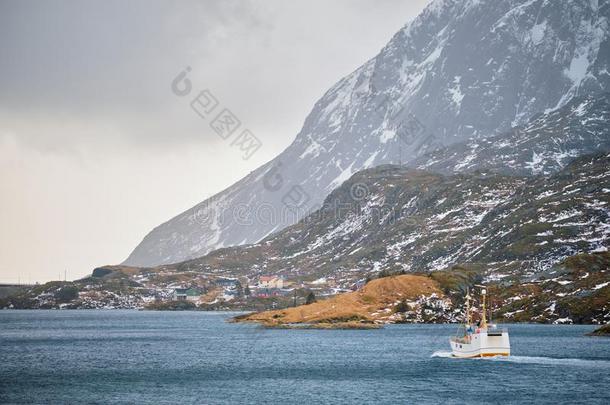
(496, 331)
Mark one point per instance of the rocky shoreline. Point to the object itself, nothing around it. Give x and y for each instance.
(604, 330)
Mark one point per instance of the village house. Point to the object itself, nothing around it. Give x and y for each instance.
(270, 282)
(186, 294)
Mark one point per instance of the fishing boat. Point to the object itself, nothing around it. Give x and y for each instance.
(479, 339)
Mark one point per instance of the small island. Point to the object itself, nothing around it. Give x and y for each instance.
(603, 330)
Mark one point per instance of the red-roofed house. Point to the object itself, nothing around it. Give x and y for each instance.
(270, 282)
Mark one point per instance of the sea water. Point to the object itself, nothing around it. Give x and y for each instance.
(115, 356)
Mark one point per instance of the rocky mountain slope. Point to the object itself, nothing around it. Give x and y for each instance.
(544, 145)
(397, 219)
(462, 69)
(576, 290)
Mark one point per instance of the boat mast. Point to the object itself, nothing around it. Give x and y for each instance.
(467, 307)
(491, 315)
(483, 315)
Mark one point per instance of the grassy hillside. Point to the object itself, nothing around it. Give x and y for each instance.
(375, 303)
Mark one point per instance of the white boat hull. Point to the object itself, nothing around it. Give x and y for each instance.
(481, 344)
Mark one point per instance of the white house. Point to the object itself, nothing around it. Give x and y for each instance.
(270, 282)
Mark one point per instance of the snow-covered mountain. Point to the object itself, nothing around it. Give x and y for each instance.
(462, 69)
(544, 145)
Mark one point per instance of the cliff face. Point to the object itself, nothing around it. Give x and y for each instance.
(462, 69)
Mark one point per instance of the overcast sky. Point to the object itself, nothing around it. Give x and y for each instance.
(96, 150)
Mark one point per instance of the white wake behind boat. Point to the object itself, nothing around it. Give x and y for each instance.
(479, 340)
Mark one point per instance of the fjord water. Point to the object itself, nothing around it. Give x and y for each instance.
(197, 357)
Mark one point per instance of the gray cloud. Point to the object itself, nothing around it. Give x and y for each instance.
(111, 61)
